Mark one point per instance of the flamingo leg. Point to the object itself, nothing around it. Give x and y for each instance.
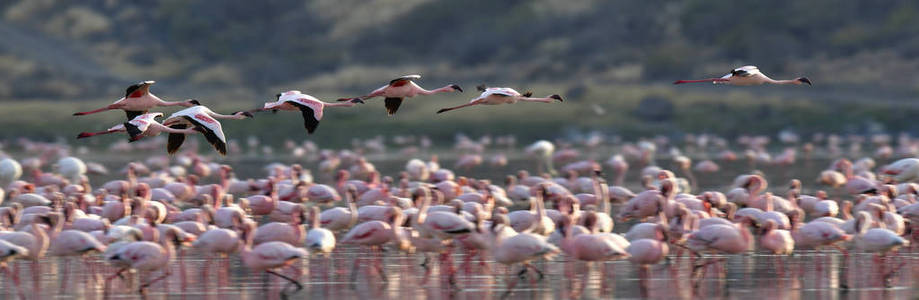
(108, 280)
(143, 287)
(64, 276)
(290, 280)
(15, 280)
(446, 109)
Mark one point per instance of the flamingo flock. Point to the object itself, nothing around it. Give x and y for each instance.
(147, 219)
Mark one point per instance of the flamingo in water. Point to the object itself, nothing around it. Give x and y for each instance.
(202, 119)
(144, 125)
(747, 75)
(400, 88)
(495, 96)
(138, 100)
(309, 106)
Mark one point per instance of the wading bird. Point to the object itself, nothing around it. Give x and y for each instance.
(309, 106)
(202, 119)
(140, 127)
(747, 75)
(400, 88)
(495, 96)
(138, 100)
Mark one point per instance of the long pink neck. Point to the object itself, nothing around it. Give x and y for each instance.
(435, 91)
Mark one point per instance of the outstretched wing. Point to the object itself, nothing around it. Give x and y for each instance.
(212, 131)
(392, 105)
(133, 131)
(175, 139)
(403, 80)
(309, 117)
(745, 71)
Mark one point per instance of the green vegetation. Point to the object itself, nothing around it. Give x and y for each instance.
(617, 57)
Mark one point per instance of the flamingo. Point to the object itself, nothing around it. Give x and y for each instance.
(340, 218)
(203, 120)
(519, 248)
(147, 256)
(375, 234)
(144, 125)
(400, 88)
(503, 95)
(10, 171)
(748, 75)
(10, 251)
(138, 100)
(220, 241)
(268, 256)
(309, 106)
(319, 239)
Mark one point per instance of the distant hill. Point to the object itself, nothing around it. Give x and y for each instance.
(91, 49)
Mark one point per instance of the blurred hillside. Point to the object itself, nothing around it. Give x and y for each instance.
(244, 51)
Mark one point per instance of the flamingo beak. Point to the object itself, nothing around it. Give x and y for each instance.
(456, 87)
(805, 80)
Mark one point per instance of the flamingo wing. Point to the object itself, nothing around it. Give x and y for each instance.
(309, 117)
(175, 139)
(403, 80)
(392, 105)
(133, 113)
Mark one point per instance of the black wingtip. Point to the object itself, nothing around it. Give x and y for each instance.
(442, 110)
(805, 80)
(84, 135)
(456, 87)
(557, 97)
(480, 88)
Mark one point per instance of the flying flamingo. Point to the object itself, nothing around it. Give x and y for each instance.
(309, 106)
(138, 100)
(747, 75)
(495, 96)
(400, 88)
(202, 119)
(144, 125)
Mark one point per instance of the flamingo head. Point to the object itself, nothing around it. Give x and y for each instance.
(803, 80)
(456, 88)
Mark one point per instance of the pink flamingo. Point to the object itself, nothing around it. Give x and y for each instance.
(204, 120)
(340, 218)
(729, 239)
(748, 75)
(309, 106)
(496, 96)
(645, 252)
(147, 257)
(138, 100)
(400, 88)
(519, 248)
(375, 234)
(10, 251)
(142, 126)
(291, 232)
(268, 256)
(219, 241)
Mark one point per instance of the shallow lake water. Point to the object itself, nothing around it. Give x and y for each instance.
(808, 274)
